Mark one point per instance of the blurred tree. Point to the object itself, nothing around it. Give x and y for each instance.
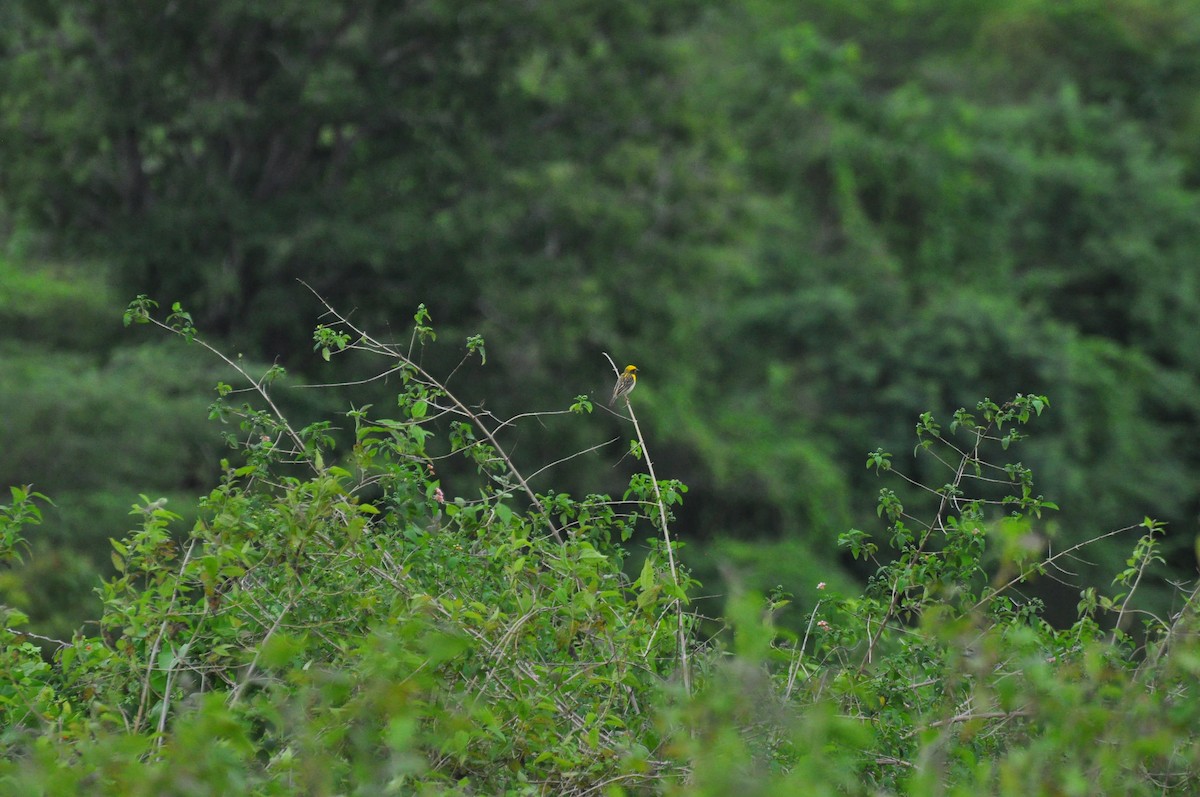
(386, 154)
(937, 223)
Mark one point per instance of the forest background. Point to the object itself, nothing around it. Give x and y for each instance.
(806, 223)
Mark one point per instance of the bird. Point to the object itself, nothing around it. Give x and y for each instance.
(626, 382)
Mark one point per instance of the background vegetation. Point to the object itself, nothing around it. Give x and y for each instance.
(807, 224)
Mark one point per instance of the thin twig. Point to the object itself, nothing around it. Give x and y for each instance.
(162, 631)
(31, 635)
(1031, 570)
(966, 716)
(259, 386)
(462, 408)
(799, 655)
(246, 679)
(570, 457)
(680, 633)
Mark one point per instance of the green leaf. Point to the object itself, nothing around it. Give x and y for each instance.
(646, 578)
(279, 650)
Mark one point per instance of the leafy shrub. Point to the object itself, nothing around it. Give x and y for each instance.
(354, 628)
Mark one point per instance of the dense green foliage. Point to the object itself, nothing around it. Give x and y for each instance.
(333, 630)
(806, 223)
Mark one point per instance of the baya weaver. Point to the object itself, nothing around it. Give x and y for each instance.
(626, 382)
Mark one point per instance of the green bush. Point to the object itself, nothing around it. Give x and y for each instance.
(57, 306)
(364, 628)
